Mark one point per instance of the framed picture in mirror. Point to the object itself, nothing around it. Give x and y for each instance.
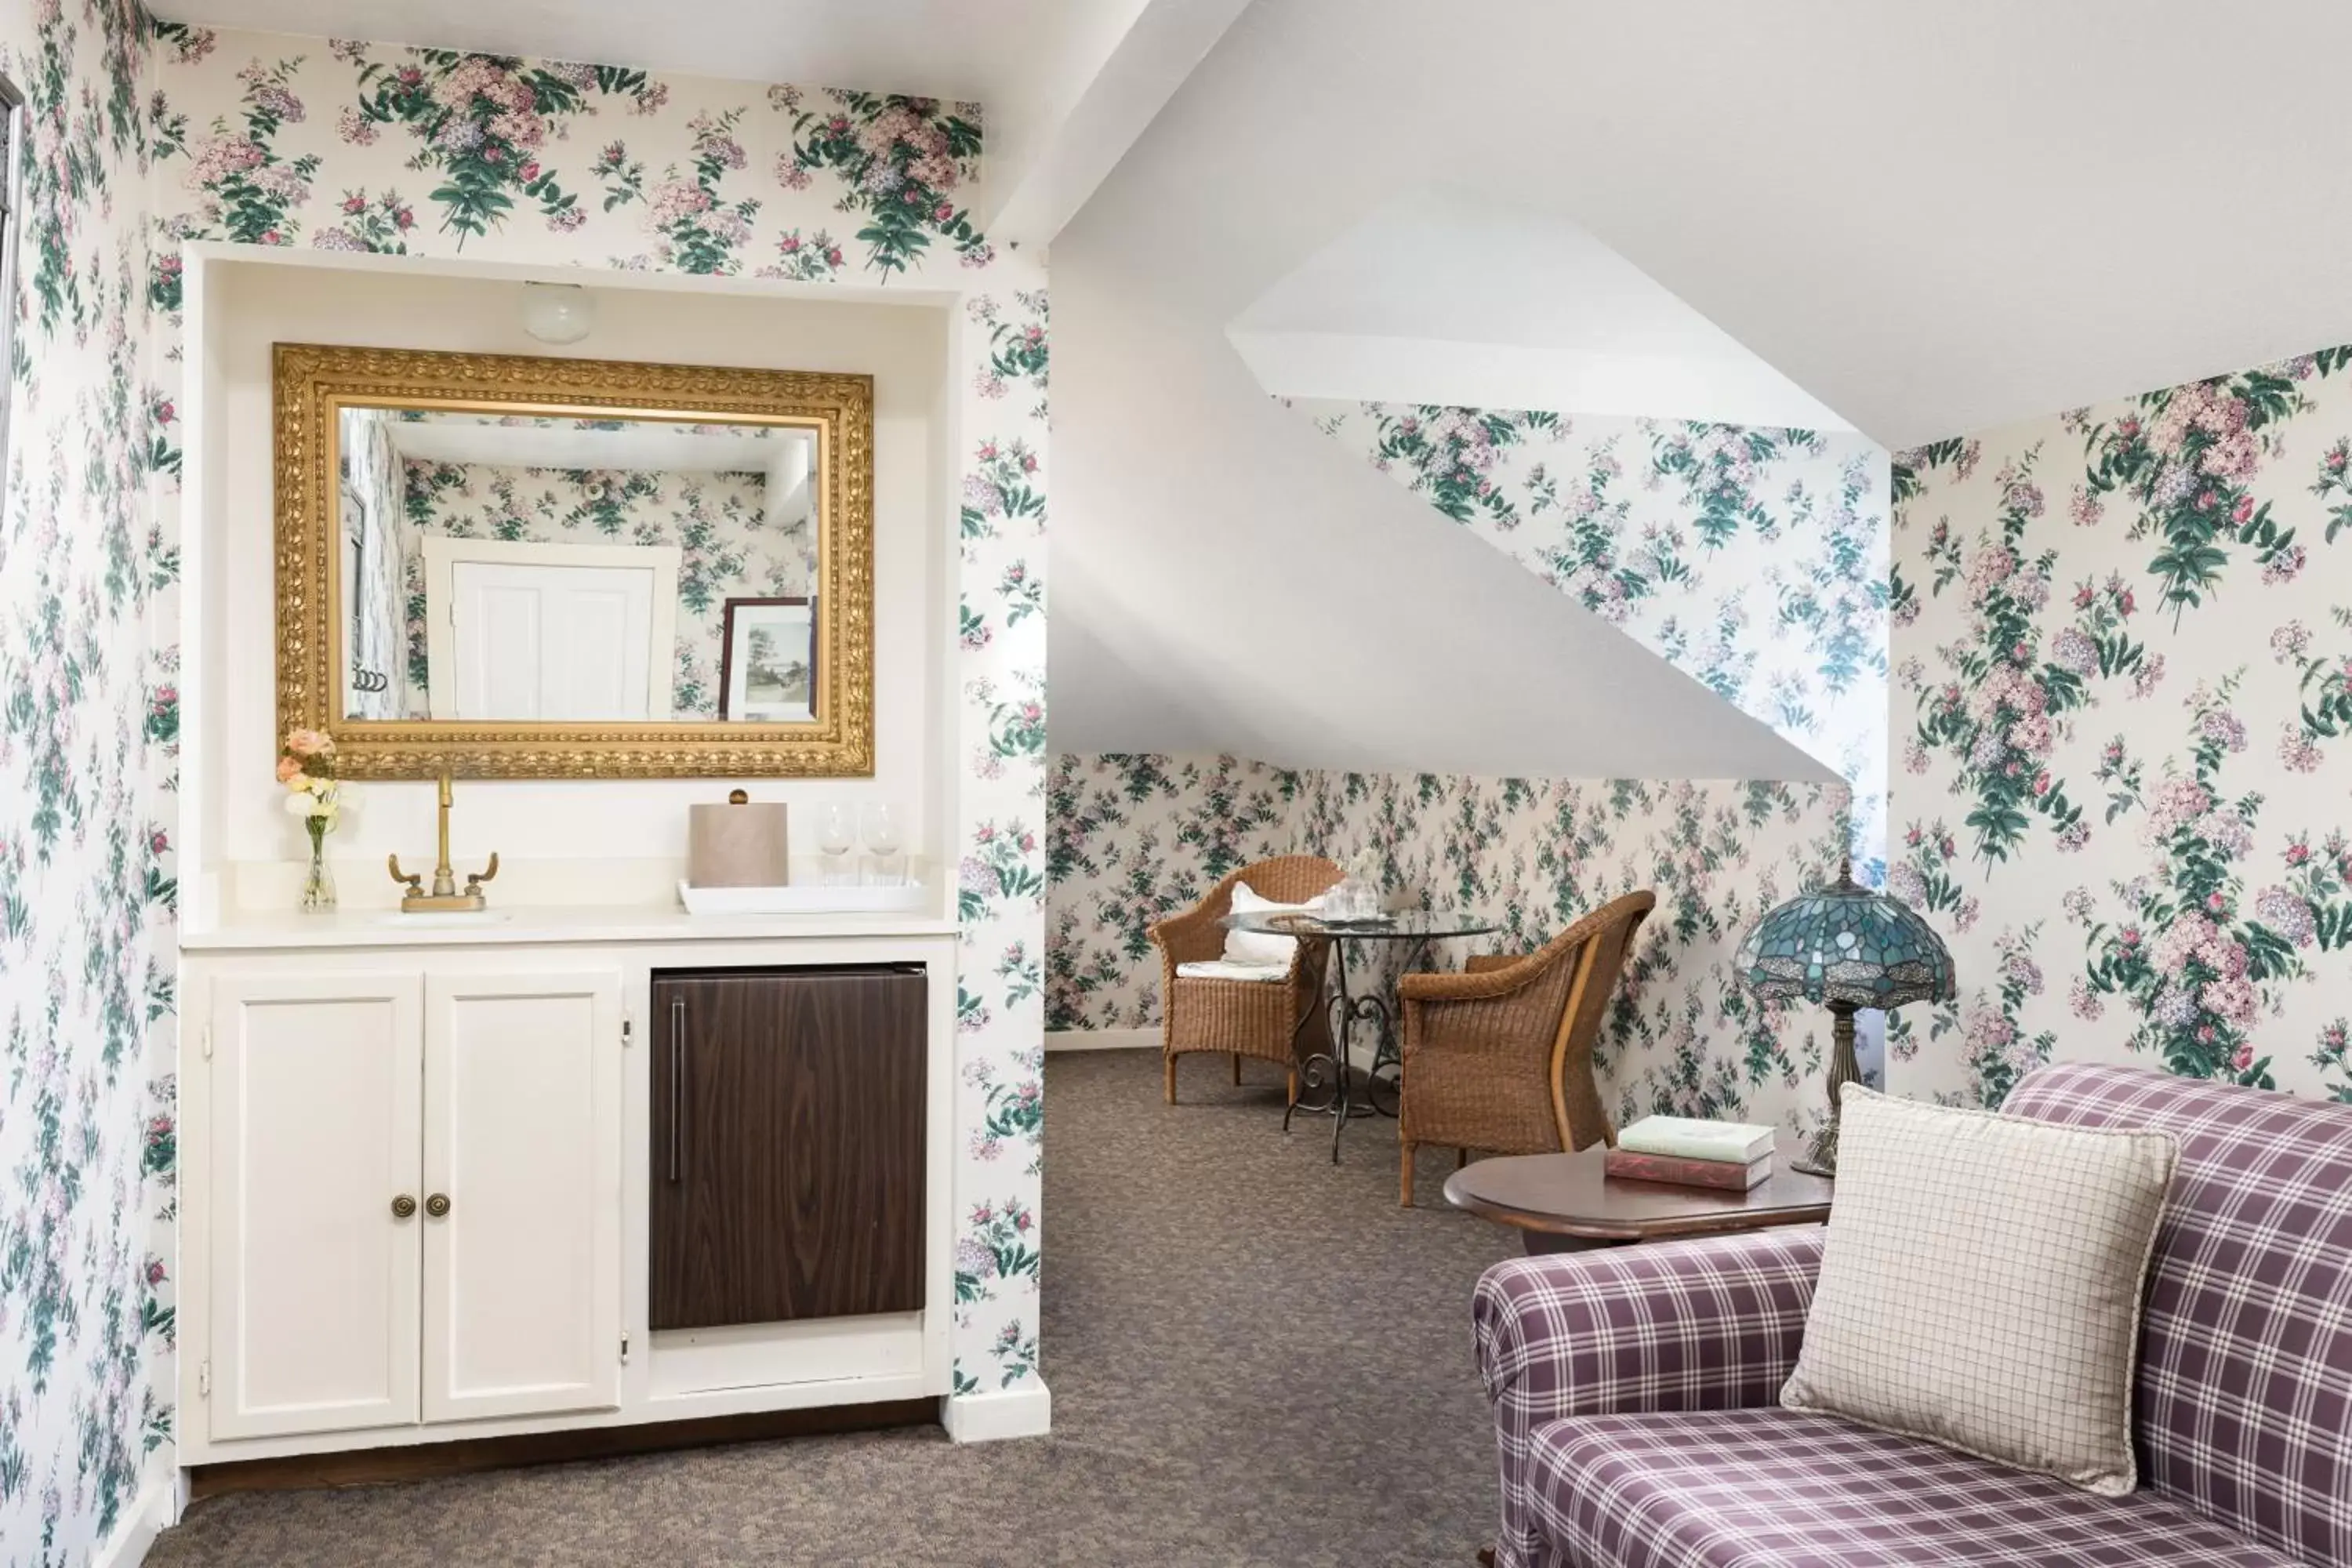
(767, 665)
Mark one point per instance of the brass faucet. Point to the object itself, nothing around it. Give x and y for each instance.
(445, 897)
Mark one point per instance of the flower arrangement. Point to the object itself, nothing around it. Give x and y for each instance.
(306, 767)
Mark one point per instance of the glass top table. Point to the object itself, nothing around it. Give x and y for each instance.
(1403, 925)
(1331, 1071)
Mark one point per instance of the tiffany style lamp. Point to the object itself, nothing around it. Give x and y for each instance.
(1847, 947)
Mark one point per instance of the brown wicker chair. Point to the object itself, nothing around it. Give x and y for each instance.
(1499, 1058)
(1244, 1017)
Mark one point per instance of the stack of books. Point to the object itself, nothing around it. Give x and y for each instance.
(1691, 1152)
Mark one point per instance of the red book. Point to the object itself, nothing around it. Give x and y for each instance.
(1632, 1167)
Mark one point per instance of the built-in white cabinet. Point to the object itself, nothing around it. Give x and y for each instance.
(317, 1133)
(417, 1177)
(523, 1160)
(415, 1196)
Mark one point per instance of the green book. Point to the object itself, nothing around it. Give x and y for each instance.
(1693, 1137)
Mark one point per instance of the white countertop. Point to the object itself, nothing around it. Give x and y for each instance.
(249, 929)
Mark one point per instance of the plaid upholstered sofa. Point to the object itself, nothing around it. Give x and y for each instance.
(1636, 1391)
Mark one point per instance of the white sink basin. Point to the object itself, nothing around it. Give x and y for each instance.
(444, 918)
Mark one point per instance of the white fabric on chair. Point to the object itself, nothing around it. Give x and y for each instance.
(1226, 969)
(1258, 947)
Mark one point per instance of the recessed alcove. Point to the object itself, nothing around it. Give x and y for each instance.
(601, 841)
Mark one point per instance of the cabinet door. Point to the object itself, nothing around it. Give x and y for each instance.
(523, 1140)
(314, 1131)
(787, 1145)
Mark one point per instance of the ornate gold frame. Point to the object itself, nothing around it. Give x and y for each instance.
(314, 382)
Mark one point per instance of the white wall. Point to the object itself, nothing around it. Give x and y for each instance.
(1226, 580)
(531, 823)
(1449, 296)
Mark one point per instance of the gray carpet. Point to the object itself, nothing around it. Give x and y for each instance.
(1255, 1357)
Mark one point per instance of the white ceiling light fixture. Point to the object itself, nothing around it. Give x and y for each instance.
(557, 312)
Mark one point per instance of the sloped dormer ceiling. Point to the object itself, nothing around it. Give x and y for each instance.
(1924, 220)
(1227, 580)
(1932, 219)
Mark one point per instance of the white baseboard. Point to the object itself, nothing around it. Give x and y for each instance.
(1103, 1039)
(136, 1530)
(1024, 1411)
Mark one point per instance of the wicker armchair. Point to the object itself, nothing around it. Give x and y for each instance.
(1244, 1017)
(1499, 1058)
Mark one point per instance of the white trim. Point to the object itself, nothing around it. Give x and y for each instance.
(443, 555)
(1024, 1411)
(151, 1514)
(1145, 1038)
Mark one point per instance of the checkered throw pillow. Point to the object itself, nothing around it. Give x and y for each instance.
(1981, 1285)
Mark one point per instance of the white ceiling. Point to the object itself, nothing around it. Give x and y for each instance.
(1447, 296)
(638, 444)
(1932, 218)
(944, 48)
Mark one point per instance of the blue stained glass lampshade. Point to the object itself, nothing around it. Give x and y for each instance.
(1846, 944)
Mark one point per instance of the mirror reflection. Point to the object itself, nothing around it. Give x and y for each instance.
(525, 567)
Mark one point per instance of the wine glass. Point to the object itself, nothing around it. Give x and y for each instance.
(837, 831)
(885, 836)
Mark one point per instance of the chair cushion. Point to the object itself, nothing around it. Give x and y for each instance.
(1779, 1488)
(1257, 946)
(1226, 969)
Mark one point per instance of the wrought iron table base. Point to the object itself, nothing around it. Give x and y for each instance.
(1333, 1071)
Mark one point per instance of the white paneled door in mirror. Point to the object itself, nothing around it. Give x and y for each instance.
(665, 523)
(523, 1226)
(315, 1134)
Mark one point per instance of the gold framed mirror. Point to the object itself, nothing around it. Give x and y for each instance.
(510, 566)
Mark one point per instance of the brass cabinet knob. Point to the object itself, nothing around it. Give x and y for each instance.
(437, 1204)
(403, 1206)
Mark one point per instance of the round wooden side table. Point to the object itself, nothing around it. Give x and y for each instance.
(1560, 1203)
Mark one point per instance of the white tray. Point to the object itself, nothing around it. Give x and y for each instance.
(801, 899)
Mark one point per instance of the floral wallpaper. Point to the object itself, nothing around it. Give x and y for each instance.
(1753, 560)
(1129, 841)
(730, 547)
(2123, 685)
(142, 135)
(88, 726)
(1137, 836)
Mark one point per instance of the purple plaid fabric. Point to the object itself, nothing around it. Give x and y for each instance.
(1693, 1325)
(2244, 1402)
(1636, 1392)
(1779, 1488)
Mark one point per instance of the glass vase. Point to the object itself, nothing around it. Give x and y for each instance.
(317, 882)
